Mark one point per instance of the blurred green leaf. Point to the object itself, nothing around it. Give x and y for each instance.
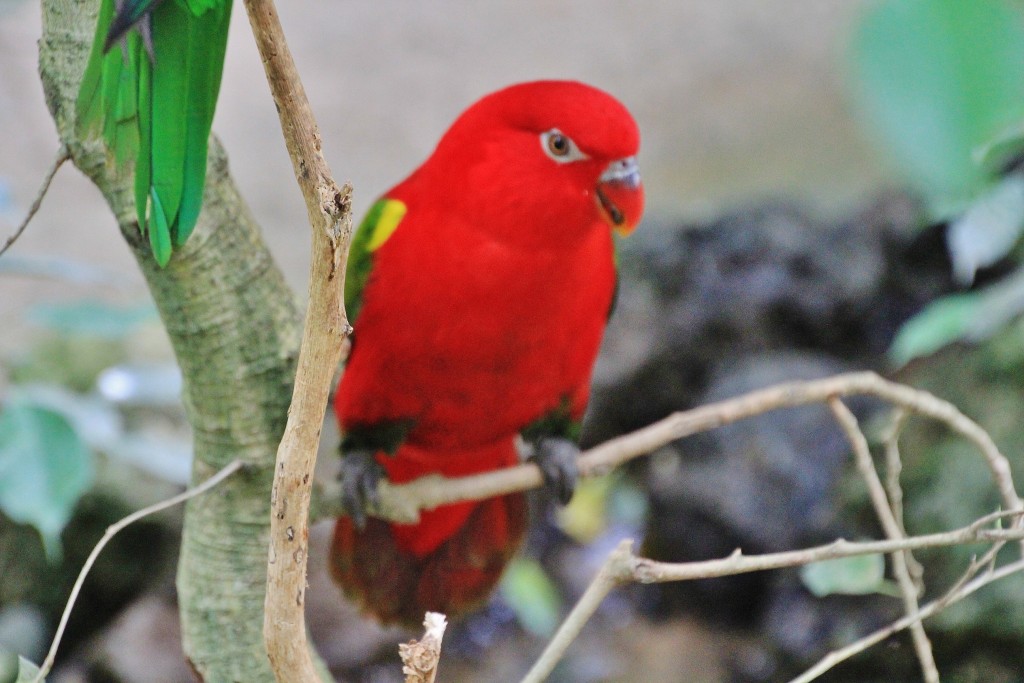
(95, 420)
(44, 468)
(857, 575)
(23, 629)
(27, 671)
(1001, 150)
(942, 322)
(95, 318)
(584, 518)
(988, 230)
(972, 317)
(8, 667)
(16, 669)
(532, 596)
(938, 79)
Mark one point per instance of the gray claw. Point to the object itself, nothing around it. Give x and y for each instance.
(557, 459)
(360, 474)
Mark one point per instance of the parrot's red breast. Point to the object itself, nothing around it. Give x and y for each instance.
(479, 288)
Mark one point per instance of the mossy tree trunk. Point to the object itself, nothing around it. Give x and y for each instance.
(235, 328)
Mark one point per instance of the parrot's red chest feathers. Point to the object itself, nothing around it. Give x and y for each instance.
(481, 286)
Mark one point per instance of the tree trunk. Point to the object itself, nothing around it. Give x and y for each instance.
(235, 328)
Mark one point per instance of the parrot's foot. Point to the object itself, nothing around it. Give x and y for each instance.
(360, 474)
(556, 458)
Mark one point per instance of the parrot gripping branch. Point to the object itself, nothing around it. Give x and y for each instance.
(403, 502)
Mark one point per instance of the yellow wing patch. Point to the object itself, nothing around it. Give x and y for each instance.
(391, 215)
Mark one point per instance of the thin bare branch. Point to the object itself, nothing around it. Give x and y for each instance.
(62, 155)
(958, 593)
(862, 454)
(893, 470)
(652, 571)
(622, 567)
(111, 531)
(326, 327)
(615, 571)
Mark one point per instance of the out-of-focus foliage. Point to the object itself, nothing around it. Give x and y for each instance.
(857, 575)
(971, 316)
(15, 669)
(600, 503)
(45, 467)
(92, 318)
(532, 596)
(939, 82)
(68, 401)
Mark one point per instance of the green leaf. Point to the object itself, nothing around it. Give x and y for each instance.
(971, 317)
(8, 667)
(857, 575)
(937, 79)
(90, 317)
(988, 230)
(532, 596)
(27, 671)
(44, 468)
(16, 669)
(1006, 146)
(941, 322)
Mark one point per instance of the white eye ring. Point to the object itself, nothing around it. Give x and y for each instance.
(560, 147)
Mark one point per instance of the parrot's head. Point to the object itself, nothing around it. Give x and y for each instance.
(544, 163)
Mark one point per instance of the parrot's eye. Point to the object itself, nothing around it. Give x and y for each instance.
(560, 146)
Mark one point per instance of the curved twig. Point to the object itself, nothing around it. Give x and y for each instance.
(111, 531)
(623, 567)
(63, 154)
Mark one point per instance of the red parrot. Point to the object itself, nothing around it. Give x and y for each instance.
(479, 288)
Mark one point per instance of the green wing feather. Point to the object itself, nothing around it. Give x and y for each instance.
(206, 68)
(380, 223)
(158, 109)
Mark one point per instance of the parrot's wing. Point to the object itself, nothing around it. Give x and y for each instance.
(380, 223)
(183, 94)
(107, 104)
(152, 98)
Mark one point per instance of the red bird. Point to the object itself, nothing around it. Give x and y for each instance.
(479, 288)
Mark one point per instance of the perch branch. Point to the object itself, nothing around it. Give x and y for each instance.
(63, 154)
(111, 531)
(623, 567)
(402, 503)
(329, 211)
(862, 454)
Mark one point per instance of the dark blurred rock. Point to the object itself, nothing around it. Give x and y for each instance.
(767, 278)
(763, 485)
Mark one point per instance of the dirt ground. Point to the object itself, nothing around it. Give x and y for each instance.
(737, 99)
